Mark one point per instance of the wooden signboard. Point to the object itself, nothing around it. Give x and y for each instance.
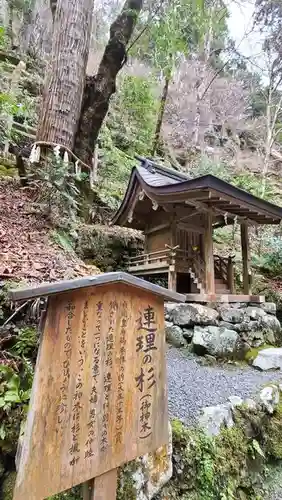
(99, 397)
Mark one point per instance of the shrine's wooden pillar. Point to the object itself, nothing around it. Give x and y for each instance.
(172, 273)
(208, 255)
(246, 259)
(230, 275)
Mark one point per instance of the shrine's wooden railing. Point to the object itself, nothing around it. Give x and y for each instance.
(224, 269)
(161, 260)
(148, 261)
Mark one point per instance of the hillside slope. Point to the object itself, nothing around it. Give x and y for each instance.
(26, 247)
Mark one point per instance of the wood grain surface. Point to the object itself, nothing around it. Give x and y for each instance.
(99, 396)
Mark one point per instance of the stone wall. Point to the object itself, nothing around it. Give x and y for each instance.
(222, 330)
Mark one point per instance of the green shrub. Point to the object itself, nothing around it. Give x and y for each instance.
(270, 259)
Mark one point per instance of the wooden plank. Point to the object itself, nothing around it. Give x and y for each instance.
(230, 275)
(148, 267)
(105, 486)
(208, 254)
(246, 259)
(99, 396)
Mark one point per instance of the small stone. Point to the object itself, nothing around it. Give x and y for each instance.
(269, 307)
(269, 359)
(173, 334)
(233, 315)
(269, 397)
(214, 417)
(193, 314)
(211, 360)
(250, 403)
(235, 401)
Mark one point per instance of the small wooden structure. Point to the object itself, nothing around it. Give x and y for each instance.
(178, 215)
(99, 396)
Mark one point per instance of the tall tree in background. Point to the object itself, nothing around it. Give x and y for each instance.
(169, 43)
(216, 15)
(268, 16)
(100, 87)
(180, 30)
(66, 73)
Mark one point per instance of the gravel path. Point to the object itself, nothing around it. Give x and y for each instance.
(192, 386)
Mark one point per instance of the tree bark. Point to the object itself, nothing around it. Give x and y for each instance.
(53, 7)
(64, 86)
(100, 87)
(160, 116)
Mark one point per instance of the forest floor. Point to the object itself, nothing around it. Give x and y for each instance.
(28, 251)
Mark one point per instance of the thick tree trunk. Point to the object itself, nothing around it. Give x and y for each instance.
(10, 30)
(160, 116)
(99, 88)
(53, 7)
(66, 75)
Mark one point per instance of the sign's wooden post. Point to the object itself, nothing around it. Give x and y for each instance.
(99, 396)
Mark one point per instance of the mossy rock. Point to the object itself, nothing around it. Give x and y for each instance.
(8, 485)
(126, 485)
(274, 433)
(251, 354)
(210, 468)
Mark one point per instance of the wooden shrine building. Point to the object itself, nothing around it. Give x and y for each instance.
(178, 216)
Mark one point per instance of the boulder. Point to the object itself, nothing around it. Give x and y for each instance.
(254, 312)
(214, 417)
(153, 471)
(217, 341)
(233, 315)
(255, 338)
(269, 307)
(269, 359)
(173, 334)
(269, 337)
(269, 397)
(193, 314)
(227, 325)
(271, 323)
(247, 326)
(168, 308)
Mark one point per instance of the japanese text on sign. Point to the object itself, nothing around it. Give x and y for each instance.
(145, 379)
